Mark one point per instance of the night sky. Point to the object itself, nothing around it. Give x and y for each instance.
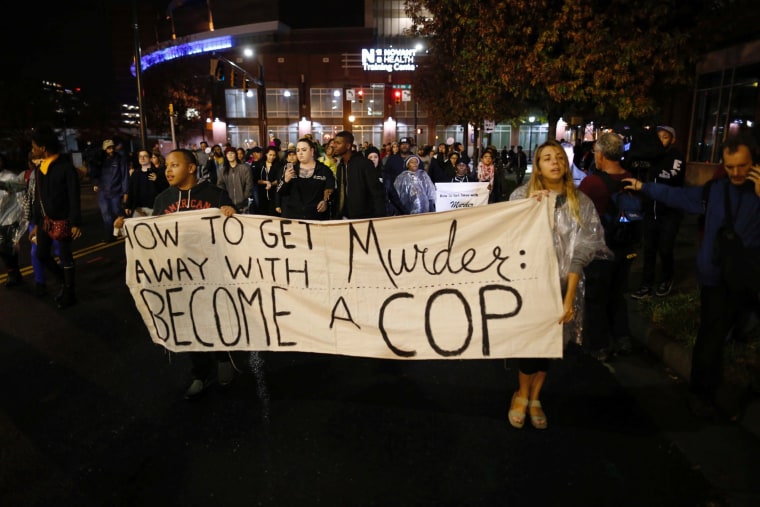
(75, 43)
(90, 44)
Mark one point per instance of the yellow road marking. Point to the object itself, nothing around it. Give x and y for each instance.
(27, 270)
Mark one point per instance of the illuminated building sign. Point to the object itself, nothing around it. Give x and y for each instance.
(185, 49)
(388, 59)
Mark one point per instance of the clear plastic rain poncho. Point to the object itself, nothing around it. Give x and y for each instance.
(416, 191)
(13, 219)
(576, 246)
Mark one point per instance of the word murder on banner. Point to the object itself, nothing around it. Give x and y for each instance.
(472, 283)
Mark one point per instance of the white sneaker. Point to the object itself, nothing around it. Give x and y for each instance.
(224, 373)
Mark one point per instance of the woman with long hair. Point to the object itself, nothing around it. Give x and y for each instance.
(267, 178)
(236, 179)
(305, 189)
(578, 239)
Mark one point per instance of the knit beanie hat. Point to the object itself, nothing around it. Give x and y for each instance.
(419, 161)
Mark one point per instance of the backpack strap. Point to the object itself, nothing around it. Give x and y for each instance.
(613, 187)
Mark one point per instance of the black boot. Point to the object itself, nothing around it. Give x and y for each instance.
(14, 278)
(66, 297)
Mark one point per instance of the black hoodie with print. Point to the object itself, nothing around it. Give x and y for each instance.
(204, 195)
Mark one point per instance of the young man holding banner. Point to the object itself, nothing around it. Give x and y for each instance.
(185, 194)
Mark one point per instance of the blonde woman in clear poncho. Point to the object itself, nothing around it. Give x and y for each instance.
(578, 239)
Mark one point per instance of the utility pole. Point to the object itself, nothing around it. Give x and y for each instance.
(138, 74)
(171, 122)
(263, 128)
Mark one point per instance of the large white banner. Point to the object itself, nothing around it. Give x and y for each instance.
(460, 195)
(465, 284)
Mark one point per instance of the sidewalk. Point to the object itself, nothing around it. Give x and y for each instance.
(726, 453)
(672, 354)
(678, 359)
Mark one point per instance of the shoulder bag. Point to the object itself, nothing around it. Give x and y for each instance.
(56, 229)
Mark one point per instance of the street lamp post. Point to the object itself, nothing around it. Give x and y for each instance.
(531, 119)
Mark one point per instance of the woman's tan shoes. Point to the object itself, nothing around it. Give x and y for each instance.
(517, 409)
(537, 416)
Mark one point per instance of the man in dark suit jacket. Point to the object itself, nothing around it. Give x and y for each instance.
(359, 192)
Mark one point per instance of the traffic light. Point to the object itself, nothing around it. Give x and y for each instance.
(397, 96)
(232, 79)
(360, 95)
(245, 85)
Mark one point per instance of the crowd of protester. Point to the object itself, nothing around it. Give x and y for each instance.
(307, 180)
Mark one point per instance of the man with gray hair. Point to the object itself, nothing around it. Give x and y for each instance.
(606, 319)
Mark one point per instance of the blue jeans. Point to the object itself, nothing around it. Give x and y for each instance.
(39, 269)
(45, 257)
(110, 209)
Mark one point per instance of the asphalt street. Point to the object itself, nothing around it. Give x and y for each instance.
(92, 413)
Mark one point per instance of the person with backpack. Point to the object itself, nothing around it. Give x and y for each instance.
(661, 222)
(729, 293)
(606, 324)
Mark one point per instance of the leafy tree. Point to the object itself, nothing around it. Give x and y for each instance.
(496, 59)
(175, 83)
